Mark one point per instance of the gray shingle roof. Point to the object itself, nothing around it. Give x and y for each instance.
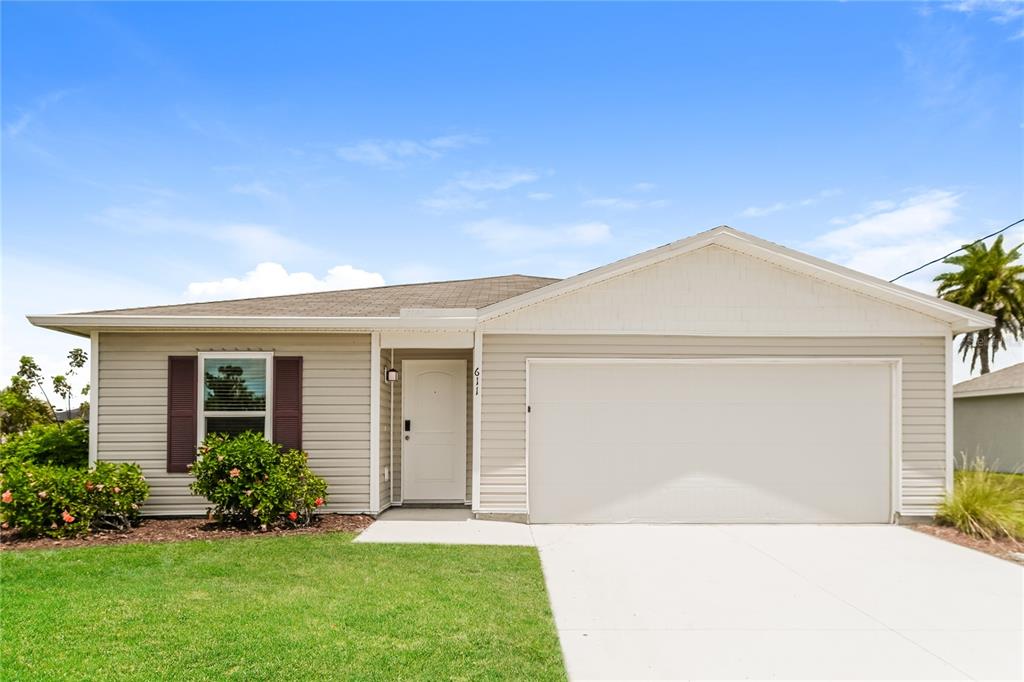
(1007, 380)
(376, 302)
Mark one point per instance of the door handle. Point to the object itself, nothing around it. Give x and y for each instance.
(408, 425)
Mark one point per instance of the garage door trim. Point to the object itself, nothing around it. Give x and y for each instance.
(895, 365)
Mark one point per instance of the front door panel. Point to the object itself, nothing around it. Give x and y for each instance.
(434, 430)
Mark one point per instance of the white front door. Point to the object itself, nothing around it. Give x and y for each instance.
(434, 430)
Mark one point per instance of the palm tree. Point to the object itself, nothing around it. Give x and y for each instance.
(990, 280)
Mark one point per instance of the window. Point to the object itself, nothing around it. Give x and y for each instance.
(235, 392)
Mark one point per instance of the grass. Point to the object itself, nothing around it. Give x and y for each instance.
(985, 503)
(294, 608)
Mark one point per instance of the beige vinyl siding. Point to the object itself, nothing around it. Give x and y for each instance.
(335, 412)
(503, 425)
(431, 354)
(384, 479)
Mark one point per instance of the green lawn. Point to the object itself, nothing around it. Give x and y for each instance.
(297, 608)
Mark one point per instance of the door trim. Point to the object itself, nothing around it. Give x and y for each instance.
(895, 398)
(461, 499)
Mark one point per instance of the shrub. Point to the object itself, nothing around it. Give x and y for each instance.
(984, 503)
(64, 444)
(39, 499)
(251, 481)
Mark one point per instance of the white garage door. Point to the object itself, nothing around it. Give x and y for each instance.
(749, 441)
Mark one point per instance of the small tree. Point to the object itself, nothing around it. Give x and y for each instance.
(19, 409)
(990, 280)
(30, 375)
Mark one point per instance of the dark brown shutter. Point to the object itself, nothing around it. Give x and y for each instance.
(182, 397)
(288, 402)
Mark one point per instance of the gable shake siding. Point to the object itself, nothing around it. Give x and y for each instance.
(132, 421)
(503, 475)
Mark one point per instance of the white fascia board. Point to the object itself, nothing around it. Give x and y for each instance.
(984, 392)
(960, 318)
(83, 324)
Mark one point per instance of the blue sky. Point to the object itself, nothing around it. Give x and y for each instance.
(156, 153)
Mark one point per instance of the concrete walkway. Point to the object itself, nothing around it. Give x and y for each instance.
(769, 602)
(443, 526)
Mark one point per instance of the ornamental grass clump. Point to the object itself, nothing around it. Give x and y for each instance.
(255, 483)
(984, 503)
(63, 502)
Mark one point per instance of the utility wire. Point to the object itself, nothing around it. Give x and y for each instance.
(942, 258)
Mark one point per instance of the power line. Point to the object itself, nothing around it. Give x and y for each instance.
(942, 258)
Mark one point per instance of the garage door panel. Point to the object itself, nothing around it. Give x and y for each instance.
(681, 442)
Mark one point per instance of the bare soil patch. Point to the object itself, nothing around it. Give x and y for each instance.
(177, 530)
(1004, 548)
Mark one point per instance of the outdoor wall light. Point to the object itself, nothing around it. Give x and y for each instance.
(391, 375)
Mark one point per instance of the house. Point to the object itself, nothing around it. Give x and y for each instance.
(719, 378)
(988, 418)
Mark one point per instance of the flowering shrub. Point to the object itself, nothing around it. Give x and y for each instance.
(64, 444)
(60, 501)
(251, 481)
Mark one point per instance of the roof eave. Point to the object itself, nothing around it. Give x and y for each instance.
(83, 325)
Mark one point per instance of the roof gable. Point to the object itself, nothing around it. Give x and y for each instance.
(957, 317)
(715, 290)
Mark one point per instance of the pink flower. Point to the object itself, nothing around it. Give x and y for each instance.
(42, 494)
(68, 518)
(293, 516)
(99, 486)
(89, 486)
(7, 496)
(117, 489)
(234, 473)
(318, 501)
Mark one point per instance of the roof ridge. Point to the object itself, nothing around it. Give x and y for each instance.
(313, 293)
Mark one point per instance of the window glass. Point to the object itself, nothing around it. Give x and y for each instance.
(232, 426)
(234, 385)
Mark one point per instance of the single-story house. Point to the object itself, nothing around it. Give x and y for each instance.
(988, 419)
(719, 378)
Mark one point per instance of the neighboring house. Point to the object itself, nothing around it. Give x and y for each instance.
(73, 413)
(719, 378)
(988, 419)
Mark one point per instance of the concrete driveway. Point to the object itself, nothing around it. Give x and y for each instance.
(763, 602)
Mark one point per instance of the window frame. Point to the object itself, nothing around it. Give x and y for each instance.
(203, 413)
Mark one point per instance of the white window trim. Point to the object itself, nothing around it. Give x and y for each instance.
(202, 413)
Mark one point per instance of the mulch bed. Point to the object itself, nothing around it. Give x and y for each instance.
(176, 530)
(1004, 548)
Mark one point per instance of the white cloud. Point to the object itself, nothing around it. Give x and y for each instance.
(886, 222)
(394, 153)
(493, 180)
(759, 211)
(644, 186)
(540, 196)
(502, 235)
(250, 241)
(272, 279)
(256, 189)
(1002, 11)
(39, 105)
(461, 192)
(625, 204)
